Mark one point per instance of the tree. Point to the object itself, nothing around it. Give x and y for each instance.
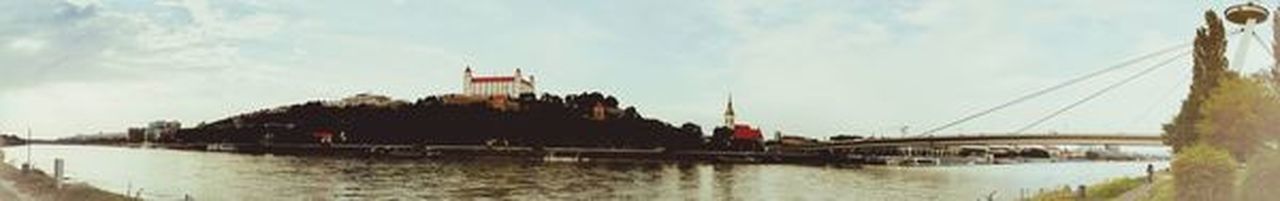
(631, 113)
(1262, 176)
(1204, 172)
(1238, 115)
(720, 137)
(691, 128)
(1208, 67)
(1271, 133)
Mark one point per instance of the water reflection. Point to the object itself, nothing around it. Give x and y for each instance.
(168, 175)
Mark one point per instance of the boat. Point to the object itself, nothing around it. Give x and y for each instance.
(1006, 160)
(404, 152)
(220, 147)
(922, 161)
(551, 157)
(147, 145)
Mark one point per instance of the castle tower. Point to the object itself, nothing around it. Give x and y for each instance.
(532, 85)
(728, 113)
(466, 81)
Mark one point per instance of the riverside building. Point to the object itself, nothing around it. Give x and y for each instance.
(745, 137)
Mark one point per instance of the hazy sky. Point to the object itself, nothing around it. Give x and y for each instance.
(812, 68)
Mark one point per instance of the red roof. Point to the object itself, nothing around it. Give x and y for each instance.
(322, 134)
(745, 132)
(494, 79)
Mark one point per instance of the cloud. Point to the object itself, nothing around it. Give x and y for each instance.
(27, 45)
(805, 67)
(96, 40)
(87, 52)
(871, 68)
(829, 66)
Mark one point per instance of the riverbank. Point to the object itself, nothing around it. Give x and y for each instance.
(39, 186)
(1163, 188)
(516, 153)
(581, 154)
(1114, 189)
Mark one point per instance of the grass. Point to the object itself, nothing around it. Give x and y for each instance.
(1064, 193)
(40, 186)
(1116, 187)
(1103, 191)
(1162, 190)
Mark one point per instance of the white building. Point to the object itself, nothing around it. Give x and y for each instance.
(161, 130)
(365, 99)
(513, 85)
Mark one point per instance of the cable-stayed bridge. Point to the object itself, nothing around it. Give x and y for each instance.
(1244, 15)
(999, 139)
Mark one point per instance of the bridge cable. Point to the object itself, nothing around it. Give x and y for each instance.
(1044, 91)
(1262, 43)
(1113, 86)
(1267, 49)
(1272, 66)
(1061, 85)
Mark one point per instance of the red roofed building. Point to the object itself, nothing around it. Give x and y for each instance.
(323, 136)
(513, 85)
(746, 132)
(744, 136)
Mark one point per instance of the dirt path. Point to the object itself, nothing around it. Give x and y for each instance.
(1138, 193)
(1141, 192)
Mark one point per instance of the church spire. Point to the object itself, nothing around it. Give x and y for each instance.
(728, 113)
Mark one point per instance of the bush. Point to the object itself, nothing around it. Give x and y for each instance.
(1263, 176)
(1204, 172)
(1239, 115)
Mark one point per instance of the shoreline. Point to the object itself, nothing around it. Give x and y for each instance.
(568, 154)
(1119, 188)
(37, 185)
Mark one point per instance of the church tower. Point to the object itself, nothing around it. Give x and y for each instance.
(728, 113)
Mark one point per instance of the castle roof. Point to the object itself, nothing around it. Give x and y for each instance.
(494, 79)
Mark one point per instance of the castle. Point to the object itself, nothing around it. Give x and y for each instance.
(508, 86)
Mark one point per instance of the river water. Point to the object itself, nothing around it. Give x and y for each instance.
(172, 174)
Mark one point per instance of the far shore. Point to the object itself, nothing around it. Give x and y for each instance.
(570, 154)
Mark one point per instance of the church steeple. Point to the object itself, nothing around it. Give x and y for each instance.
(728, 113)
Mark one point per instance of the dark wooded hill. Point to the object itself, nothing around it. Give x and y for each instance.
(585, 120)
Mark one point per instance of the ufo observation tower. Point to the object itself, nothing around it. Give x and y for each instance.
(1246, 15)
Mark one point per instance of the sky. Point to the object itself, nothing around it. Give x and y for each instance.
(809, 68)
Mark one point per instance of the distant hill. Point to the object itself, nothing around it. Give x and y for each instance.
(587, 119)
(11, 140)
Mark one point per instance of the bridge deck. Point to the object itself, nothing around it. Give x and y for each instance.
(1042, 139)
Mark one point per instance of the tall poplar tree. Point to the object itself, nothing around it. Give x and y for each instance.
(1209, 65)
